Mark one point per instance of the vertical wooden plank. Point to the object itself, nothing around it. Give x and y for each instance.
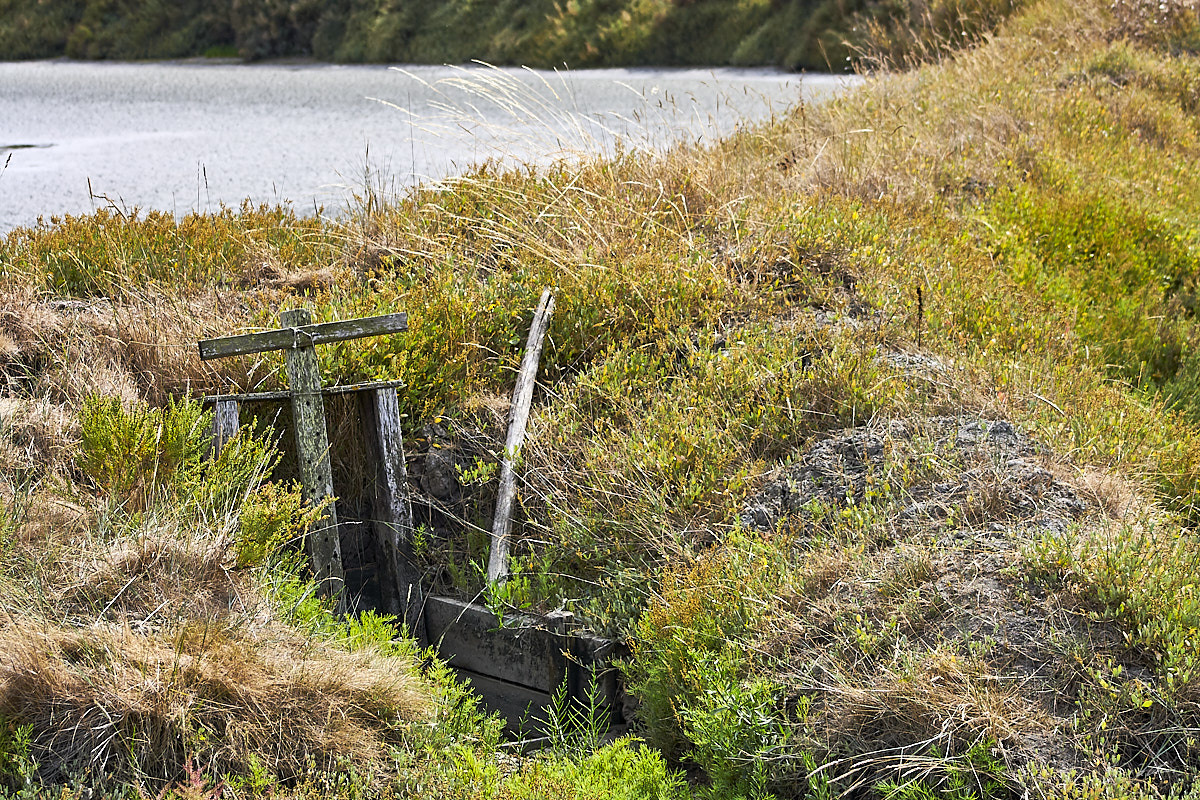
(563, 623)
(399, 579)
(312, 454)
(517, 420)
(226, 417)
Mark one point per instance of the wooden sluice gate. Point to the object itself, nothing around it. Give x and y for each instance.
(517, 663)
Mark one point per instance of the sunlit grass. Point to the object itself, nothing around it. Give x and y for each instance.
(963, 619)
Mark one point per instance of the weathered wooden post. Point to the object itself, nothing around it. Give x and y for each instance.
(312, 454)
(518, 418)
(299, 340)
(226, 418)
(400, 583)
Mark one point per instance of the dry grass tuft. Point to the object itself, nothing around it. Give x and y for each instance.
(120, 705)
(158, 577)
(36, 435)
(50, 520)
(1116, 494)
(270, 270)
(142, 347)
(944, 698)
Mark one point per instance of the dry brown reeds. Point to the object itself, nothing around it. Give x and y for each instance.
(109, 704)
(138, 348)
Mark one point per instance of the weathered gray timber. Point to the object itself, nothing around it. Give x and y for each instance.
(517, 420)
(516, 649)
(226, 418)
(227, 408)
(326, 391)
(400, 580)
(312, 456)
(519, 661)
(303, 334)
(298, 339)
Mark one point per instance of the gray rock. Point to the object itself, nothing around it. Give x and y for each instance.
(439, 479)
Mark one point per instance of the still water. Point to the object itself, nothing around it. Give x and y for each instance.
(186, 136)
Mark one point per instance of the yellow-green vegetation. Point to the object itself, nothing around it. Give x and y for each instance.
(873, 428)
(812, 34)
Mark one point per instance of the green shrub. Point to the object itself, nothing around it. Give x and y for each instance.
(270, 517)
(135, 454)
(32, 29)
(142, 457)
(622, 770)
(541, 33)
(1126, 277)
(737, 730)
(17, 768)
(1145, 575)
(135, 29)
(695, 637)
(575, 728)
(117, 255)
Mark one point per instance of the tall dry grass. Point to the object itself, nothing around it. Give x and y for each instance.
(1006, 233)
(112, 705)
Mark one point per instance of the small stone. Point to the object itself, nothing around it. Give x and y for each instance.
(439, 479)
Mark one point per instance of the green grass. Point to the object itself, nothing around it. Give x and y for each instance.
(934, 620)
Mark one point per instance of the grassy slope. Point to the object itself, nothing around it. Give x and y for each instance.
(808, 34)
(947, 610)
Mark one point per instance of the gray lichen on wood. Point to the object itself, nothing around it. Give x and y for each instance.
(400, 581)
(226, 418)
(312, 451)
(304, 334)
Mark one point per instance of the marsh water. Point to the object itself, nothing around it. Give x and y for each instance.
(183, 136)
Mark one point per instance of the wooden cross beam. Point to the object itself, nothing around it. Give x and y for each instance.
(302, 333)
(298, 338)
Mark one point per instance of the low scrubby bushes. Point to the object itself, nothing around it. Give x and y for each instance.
(872, 428)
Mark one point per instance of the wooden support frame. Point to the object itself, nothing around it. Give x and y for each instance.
(298, 339)
(517, 662)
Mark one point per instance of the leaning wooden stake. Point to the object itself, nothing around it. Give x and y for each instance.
(518, 418)
(312, 451)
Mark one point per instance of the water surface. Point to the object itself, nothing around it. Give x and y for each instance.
(193, 136)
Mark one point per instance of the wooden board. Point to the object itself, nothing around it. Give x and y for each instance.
(399, 577)
(522, 709)
(226, 418)
(518, 418)
(326, 391)
(307, 335)
(528, 653)
(312, 451)
(470, 637)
